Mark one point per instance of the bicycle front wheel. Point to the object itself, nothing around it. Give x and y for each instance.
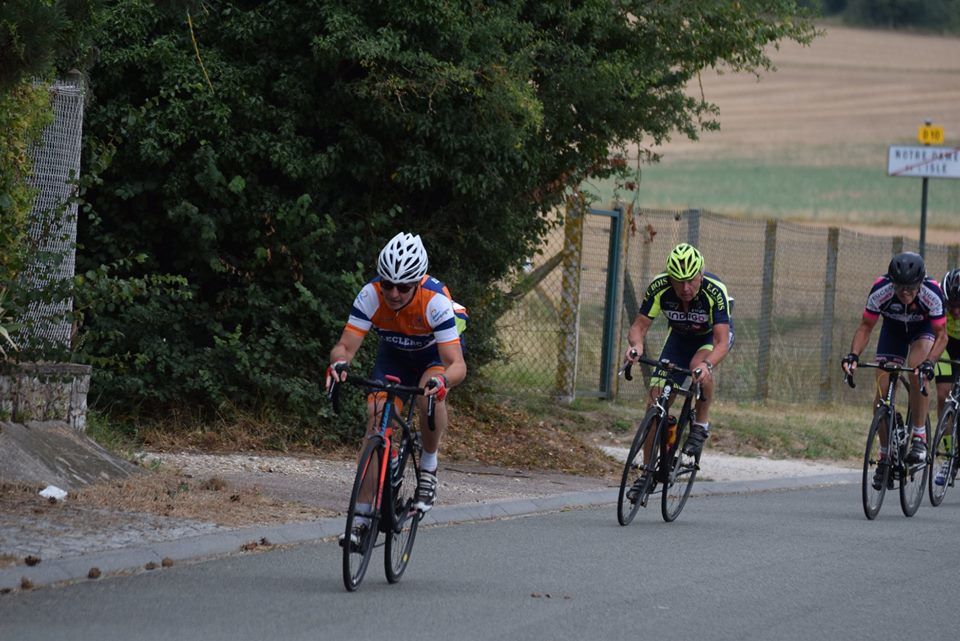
(942, 455)
(360, 535)
(403, 526)
(681, 475)
(635, 483)
(913, 481)
(876, 472)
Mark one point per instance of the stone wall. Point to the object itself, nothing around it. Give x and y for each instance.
(45, 392)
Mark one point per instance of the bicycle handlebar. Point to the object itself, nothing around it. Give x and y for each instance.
(887, 367)
(387, 386)
(664, 364)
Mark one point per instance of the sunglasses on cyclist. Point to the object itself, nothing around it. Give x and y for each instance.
(403, 288)
(908, 289)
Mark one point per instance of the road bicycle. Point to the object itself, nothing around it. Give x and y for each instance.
(943, 446)
(888, 426)
(667, 466)
(384, 457)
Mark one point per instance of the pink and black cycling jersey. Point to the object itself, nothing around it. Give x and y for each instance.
(928, 305)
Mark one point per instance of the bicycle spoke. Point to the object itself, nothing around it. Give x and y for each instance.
(635, 485)
(913, 482)
(403, 530)
(942, 456)
(360, 533)
(681, 478)
(876, 473)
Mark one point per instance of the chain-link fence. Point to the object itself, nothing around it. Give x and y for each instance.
(799, 294)
(53, 226)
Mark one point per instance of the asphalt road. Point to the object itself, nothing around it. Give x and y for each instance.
(784, 565)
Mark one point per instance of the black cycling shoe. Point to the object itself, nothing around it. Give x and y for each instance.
(695, 440)
(878, 477)
(918, 451)
(633, 494)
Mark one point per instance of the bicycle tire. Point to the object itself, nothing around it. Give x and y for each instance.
(356, 557)
(940, 454)
(633, 469)
(913, 480)
(682, 474)
(402, 531)
(872, 497)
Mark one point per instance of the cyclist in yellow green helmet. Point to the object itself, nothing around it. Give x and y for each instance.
(697, 308)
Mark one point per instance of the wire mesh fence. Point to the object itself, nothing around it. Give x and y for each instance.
(799, 293)
(53, 219)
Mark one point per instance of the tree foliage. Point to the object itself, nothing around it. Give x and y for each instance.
(261, 153)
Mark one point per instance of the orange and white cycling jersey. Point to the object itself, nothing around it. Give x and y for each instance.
(428, 318)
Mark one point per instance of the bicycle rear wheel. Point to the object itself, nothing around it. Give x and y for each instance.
(634, 469)
(359, 540)
(942, 455)
(403, 526)
(682, 473)
(913, 481)
(873, 496)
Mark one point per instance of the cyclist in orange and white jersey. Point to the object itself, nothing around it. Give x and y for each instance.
(419, 327)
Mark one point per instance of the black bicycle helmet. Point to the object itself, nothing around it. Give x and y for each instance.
(951, 285)
(907, 269)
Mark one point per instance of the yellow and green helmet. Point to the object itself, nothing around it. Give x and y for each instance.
(684, 262)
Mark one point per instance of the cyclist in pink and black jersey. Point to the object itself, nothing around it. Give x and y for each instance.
(913, 333)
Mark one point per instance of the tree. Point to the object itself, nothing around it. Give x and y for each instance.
(264, 151)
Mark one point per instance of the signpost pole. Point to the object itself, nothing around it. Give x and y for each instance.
(923, 218)
(923, 202)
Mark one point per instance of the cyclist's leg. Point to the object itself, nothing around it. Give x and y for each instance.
(387, 362)
(426, 365)
(676, 349)
(919, 404)
(892, 347)
(944, 373)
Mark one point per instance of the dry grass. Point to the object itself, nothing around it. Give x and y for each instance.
(170, 493)
(508, 436)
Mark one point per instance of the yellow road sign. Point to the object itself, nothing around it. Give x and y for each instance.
(930, 134)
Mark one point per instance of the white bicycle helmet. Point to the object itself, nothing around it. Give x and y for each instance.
(951, 285)
(403, 259)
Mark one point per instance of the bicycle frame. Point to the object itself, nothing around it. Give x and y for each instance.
(653, 435)
(397, 521)
(890, 433)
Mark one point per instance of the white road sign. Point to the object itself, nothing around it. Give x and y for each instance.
(923, 162)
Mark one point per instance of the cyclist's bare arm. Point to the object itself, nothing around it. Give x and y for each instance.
(721, 343)
(345, 349)
(455, 369)
(638, 331)
(940, 339)
(860, 339)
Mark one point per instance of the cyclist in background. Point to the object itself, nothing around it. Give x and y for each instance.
(913, 333)
(944, 374)
(697, 308)
(419, 327)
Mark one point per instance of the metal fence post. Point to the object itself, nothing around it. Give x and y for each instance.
(622, 250)
(570, 301)
(826, 325)
(897, 244)
(693, 227)
(766, 310)
(953, 256)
